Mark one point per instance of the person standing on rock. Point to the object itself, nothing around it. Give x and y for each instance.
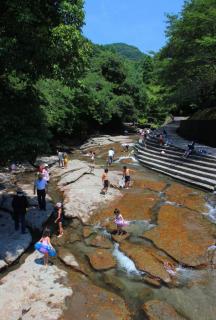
(119, 221)
(59, 218)
(126, 175)
(20, 205)
(41, 186)
(65, 160)
(92, 165)
(111, 153)
(105, 181)
(60, 158)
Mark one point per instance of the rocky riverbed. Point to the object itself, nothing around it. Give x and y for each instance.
(98, 275)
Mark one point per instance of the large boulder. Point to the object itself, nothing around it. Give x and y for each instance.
(183, 234)
(147, 260)
(187, 197)
(160, 310)
(92, 302)
(101, 259)
(13, 243)
(82, 197)
(33, 291)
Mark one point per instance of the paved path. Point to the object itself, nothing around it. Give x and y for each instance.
(181, 142)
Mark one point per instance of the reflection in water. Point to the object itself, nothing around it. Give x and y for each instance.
(125, 263)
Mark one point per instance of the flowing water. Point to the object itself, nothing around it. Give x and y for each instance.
(193, 294)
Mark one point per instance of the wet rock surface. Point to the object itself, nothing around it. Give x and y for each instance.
(146, 260)
(12, 243)
(88, 188)
(160, 310)
(101, 242)
(182, 234)
(187, 197)
(33, 291)
(69, 259)
(105, 140)
(101, 259)
(94, 303)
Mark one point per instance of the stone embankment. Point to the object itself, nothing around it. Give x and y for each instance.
(198, 169)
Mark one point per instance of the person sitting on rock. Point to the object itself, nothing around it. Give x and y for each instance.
(161, 140)
(59, 218)
(105, 181)
(20, 205)
(211, 254)
(190, 149)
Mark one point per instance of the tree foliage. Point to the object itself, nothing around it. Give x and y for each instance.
(188, 64)
(42, 51)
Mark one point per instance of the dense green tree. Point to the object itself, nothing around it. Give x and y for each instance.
(38, 40)
(188, 60)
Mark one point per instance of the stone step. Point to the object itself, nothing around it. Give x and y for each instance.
(178, 155)
(169, 164)
(177, 160)
(172, 171)
(154, 143)
(187, 180)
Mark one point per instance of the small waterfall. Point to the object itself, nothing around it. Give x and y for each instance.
(211, 213)
(125, 263)
(126, 158)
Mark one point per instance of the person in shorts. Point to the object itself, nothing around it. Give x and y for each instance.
(105, 181)
(111, 153)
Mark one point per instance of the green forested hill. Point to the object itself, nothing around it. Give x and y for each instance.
(126, 51)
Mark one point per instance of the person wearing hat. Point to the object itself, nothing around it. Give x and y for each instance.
(41, 185)
(59, 218)
(19, 204)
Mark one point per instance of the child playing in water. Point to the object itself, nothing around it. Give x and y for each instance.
(45, 240)
(126, 174)
(59, 218)
(119, 221)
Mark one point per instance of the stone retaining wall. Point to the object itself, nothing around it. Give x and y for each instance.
(203, 131)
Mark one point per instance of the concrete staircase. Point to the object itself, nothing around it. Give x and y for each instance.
(199, 170)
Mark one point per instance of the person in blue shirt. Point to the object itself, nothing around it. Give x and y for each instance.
(41, 185)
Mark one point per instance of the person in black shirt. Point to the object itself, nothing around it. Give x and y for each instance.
(19, 204)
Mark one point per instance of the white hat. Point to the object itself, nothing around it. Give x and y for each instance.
(46, 165)
(58, 204)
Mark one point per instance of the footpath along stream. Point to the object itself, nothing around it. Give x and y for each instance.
(157, 270)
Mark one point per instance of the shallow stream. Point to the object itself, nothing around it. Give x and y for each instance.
(192, 294)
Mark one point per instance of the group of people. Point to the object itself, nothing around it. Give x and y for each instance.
(144, 134)
(125, 177)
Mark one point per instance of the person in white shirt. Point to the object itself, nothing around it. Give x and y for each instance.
(111, 153)
(40, 185)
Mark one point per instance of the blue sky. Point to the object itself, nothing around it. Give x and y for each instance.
(137, 22)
